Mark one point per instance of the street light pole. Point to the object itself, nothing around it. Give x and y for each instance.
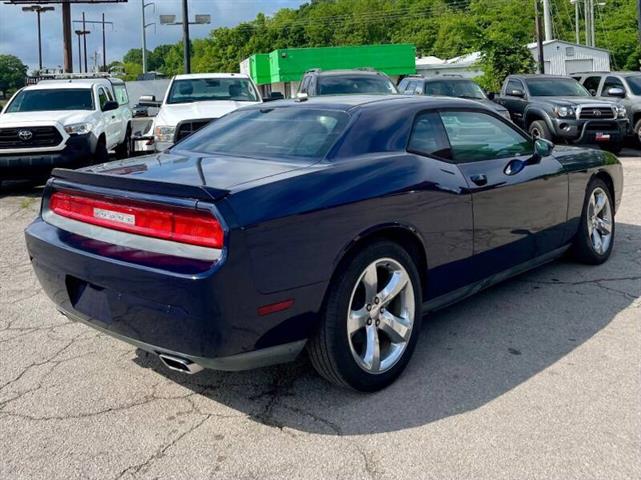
(84, 40)
(38, 10)
(186, 53)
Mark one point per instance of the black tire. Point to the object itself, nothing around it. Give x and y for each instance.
(101, 154)
(124, 149)
(583, 249)
(539, 129)
(637, 132)
(329, 348)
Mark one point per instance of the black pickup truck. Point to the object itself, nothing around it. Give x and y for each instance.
(560, 109)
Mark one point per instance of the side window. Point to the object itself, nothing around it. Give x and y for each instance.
(513, 85)
(592, 84)
(428, 136)
(121, 94)
(403, 85)
(476, 136)
(305, 85)
(102, 97)
(611, 82)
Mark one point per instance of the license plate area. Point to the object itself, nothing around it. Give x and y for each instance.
(602, 137)
(88, 299)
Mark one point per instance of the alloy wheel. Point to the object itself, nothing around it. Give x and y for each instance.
(380, 315)
(599, 221)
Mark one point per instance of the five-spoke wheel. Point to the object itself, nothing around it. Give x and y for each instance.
(595, 237)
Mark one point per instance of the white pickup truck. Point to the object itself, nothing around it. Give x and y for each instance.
(63, 123)
(194, 100)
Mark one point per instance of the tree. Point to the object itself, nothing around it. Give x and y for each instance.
(12, 73)
(499, 58)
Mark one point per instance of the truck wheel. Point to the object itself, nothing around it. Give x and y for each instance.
(594, 239)
(372, 320)
(101, 155)
(637, 131)
(124, 149)
(539, 129)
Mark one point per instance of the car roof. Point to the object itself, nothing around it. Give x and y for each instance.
(361, 102)
(58, 84)
(187, 76)
(448, 79)
(346, 71)
(539, 76)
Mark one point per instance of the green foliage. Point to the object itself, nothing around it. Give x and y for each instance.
(12, 73)
(444, 28)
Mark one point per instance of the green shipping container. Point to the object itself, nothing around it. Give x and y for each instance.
(289, 64)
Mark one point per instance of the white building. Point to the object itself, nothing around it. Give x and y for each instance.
(561, 58)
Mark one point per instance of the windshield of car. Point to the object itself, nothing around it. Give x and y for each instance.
(355, 84)
(456, 88)
(635, 84)
(557, 87)
(50, 99)
(270, 133)
(211, 89)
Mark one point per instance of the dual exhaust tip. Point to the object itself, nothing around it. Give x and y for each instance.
(179, 364)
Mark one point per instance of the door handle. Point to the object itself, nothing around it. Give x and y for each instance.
(480, 180)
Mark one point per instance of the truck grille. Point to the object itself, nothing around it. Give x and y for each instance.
(186, 128)
(596, 113)
(29, 137)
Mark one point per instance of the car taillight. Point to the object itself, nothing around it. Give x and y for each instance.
(151, 220)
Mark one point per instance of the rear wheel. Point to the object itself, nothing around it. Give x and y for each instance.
(371, 320)
(539, 129)
(595, 238)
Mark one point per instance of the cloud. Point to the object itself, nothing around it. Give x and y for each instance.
(18, 33)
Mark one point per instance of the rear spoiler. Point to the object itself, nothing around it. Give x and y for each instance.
(153, 187)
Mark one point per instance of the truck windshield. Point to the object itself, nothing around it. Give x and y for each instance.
(52, 99)
(212, 89)
(557, 87)
(455, 88)
(355, 84)
(635, 84)
(270, 133)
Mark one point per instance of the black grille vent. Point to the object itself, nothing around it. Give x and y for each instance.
(29, 137)
(186, 128)
(596, 113)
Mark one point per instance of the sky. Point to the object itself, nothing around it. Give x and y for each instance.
(18, 30)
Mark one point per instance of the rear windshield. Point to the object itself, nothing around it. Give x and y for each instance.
(635, 84)
(556, 88)
(212, 89)
(456, 88)
(355, 84)
(50, 99)
(270, 133)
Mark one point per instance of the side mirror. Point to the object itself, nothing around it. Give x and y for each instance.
(110, 105)
(517, 92)
(274, 96)
(542, 147)
(148, 101)
(616, 92)
(490, 95)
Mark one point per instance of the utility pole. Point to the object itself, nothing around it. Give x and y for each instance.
(66, 34)
(186, 53)
(589, 20)
(577, 30)
(104, 46)
(144, 26)
(38, 9)
(84, 40)
(547, 20)
(639, 18)
(539, 37)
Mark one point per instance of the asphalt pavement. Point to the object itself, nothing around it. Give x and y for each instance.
(538, 377)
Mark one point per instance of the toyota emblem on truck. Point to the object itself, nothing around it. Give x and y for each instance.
(25, 135)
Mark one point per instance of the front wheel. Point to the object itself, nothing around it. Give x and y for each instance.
(595, 238)
(637, 131)
(539, 129)
(371, 321)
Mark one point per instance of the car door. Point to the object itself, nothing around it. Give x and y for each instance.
(519, 199)
(515, 104)
(109, 119)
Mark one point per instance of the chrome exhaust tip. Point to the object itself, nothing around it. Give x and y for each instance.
(178, 364)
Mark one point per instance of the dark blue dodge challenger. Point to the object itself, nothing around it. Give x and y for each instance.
(331, 224)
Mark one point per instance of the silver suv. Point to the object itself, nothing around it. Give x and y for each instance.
(621, 87)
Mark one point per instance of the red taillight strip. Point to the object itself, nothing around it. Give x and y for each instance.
(149, 220)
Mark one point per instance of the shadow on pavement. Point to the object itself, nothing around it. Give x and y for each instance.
(468, 354)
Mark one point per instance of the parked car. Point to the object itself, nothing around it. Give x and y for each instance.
(449, 86)
(194, 100)
(63, 123)
(560, 109)
(621, 87)
(358, 81)
(333, 224)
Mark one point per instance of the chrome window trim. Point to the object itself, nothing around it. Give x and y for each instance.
(131, 240)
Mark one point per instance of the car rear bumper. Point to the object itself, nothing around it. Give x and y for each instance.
(206, 315)
(77, 153)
